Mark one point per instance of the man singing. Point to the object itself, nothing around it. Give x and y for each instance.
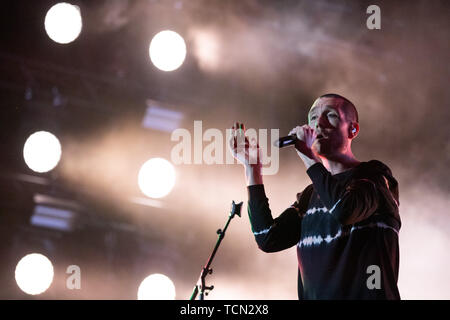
(345, 224)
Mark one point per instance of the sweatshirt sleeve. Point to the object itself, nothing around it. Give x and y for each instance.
(349, 203)
(272, 235)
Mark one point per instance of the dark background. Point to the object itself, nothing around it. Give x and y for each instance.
(260, 62)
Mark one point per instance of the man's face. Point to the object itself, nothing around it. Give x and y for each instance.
(328, 119)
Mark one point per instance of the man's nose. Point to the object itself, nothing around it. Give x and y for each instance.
(322, 122)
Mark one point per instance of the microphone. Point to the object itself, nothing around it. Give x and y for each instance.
(285, 141)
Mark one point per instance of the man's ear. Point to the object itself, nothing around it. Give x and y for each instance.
(353, 129)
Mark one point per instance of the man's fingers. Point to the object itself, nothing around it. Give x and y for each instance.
(233, 137)
(231, 141)
(238, 137)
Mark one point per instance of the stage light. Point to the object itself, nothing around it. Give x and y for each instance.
(63, 22)
(167, 50)
(156, 287)
(156, 178)
(42, 151)
(34, 273)
(159, 117)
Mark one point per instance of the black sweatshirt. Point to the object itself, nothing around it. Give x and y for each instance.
(344, 226)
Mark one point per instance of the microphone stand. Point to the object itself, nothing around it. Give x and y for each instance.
(201, 287)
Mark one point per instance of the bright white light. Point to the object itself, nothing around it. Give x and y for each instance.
(63, 22)
(42, 151)
(156, 287)
(156, 178)
(167, 50)
(34, 273)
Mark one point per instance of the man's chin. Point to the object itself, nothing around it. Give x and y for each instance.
(322, 152)
(318, 149)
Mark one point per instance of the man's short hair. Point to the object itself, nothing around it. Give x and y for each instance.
(351, 114)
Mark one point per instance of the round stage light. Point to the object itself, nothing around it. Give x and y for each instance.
(42, 151)
(63, 22)
(167, 50)
(156, 287)
(34, 273)
(156, 178)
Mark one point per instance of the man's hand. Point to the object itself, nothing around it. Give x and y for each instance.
(306, 137)
(247, 153)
